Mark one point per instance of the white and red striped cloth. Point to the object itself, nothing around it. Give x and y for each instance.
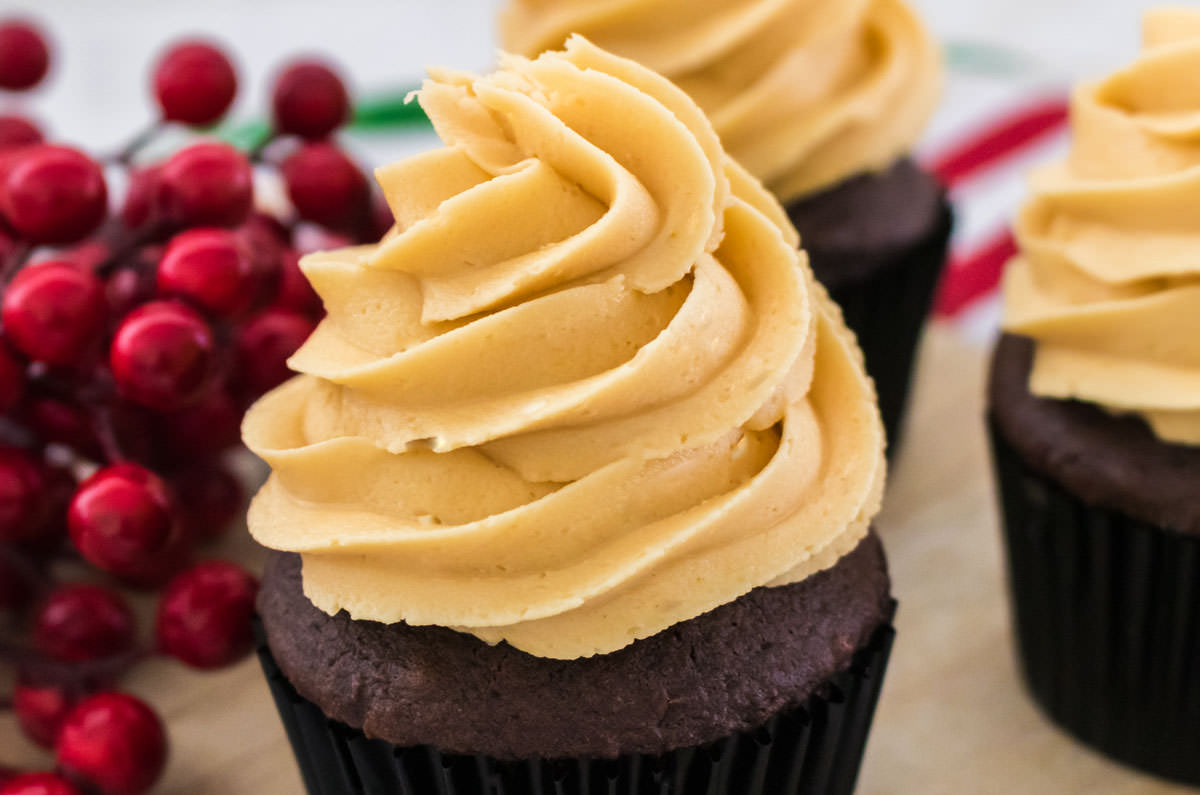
(1001, 118)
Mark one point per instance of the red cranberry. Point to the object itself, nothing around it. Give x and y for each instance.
(382, 219)
(24, 55)
(88, 255)
(264, 345)
(295, 291)
(83, 622)
(127, 289)
(210, 498)
(122, 520)
(141, 196)
(54, 311)
(266, 239)
(209, 267)
(39, 784)
(41, 710)
(208, 184)
(309, 100)
(205, 428)
(114, 742)
(163, 355)
(60, 488)
(204, 616)
(22, 496)
(13, 380)
(326, 186)
(53, 194)
(265, 230)
(194, 83)
(18, 131)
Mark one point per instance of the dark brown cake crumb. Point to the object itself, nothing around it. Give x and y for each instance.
(1112, 462)
(723, 672)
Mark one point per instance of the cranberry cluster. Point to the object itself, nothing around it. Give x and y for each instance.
(133, 339)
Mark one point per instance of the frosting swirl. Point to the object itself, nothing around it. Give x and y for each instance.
(586, 388)
(1108, 278)
(803, 93)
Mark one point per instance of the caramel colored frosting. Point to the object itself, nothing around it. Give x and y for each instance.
(1108, 278)
(585, 389)
(803, 93)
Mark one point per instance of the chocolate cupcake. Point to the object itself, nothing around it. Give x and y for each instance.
(822, 101)
(575, 486)
(1095, 415)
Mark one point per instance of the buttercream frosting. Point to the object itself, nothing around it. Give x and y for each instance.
(586, 388)
(1108, 277)
(804, 93)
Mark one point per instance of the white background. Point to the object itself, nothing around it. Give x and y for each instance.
(97, 94)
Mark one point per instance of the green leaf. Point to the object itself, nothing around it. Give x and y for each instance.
(981, 58)
(383, 113)
(389, 112)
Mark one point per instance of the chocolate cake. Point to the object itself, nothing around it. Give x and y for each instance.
(723, 672)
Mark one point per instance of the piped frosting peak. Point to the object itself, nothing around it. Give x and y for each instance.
(586, 388)
(1108, 279)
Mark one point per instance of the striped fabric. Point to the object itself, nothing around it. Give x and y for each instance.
(1000, 119)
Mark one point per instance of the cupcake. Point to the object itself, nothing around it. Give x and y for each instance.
(574, 489)
(1095, 414)
(822, 100)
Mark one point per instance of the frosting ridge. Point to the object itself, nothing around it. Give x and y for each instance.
(804, 93)
(586, 388)
(1108, 278)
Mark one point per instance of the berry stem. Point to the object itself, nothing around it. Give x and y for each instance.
(85, 392)
(126, 154)
(110, 445)
(257, 152)
(127, 247)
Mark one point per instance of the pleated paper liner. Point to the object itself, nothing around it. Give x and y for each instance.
(1107, 618)
(888, 313)
(813, 750)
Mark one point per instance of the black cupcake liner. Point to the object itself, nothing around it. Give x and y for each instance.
(815, 749)
(1107, 618)
(888, 312)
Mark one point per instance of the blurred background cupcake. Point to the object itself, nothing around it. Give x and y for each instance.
(1095, 408)
(823, 100)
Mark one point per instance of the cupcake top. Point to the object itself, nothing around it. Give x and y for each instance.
(585, 388)
(803, 93)
(1108, 279)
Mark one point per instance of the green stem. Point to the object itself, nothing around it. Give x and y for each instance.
(388, 111)
(381, 113)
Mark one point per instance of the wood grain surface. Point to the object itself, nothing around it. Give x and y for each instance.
(953, 719)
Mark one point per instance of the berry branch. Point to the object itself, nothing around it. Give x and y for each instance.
(139, 142)
(129, 355)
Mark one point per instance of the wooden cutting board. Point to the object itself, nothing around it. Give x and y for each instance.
(953, 719)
